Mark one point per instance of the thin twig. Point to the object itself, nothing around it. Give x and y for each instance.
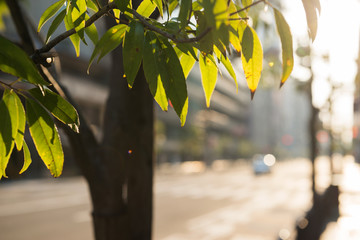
(98, 4)
(247, 7)
(112, 15)
(168, 35)
(236, 19)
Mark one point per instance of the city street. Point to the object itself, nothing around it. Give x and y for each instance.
(229, 204)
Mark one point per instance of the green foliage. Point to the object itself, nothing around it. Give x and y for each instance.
(27, 158)
(49, 13)
(45, 136)
(185, 12)
(13, 118)
(133, 50)
(15, 61)
(108, 42)
(154, 69)
(167, 50)
(55, 24)
(209, 72)
(58, 107)
(8, 129)
(146, 8)
(3, 12)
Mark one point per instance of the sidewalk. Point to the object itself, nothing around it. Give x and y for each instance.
(347, 226)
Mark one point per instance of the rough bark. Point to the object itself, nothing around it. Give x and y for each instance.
(127, 152)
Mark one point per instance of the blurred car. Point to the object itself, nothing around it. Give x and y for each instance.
(262, 163)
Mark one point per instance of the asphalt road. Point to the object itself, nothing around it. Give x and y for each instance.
(232, 204)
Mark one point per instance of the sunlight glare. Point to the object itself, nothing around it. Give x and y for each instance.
(334, 53)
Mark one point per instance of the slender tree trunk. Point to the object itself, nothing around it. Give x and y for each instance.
(123, 208)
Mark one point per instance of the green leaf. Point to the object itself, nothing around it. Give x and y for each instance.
(58, 107)
(206, 43)
(117, 13)
(188, 48)
(311, 6)
(27, 158)
(122, 4)
(132, 51)
(78, 17)
(246, 3)
(55, 24)
(234, 25)
(108, 42)
(221, 37)
(75, 38)
(175, 85)
(216, 12)
(227, 64)
(208, 76)
(92, 32)
(163, 71)
(159, 5)
(21, 122)
(184, 14)
(187, 63)
(8, 129)
(146, 8)
(251, 57)
(172, 5)
(215, 17)
(79, 5)
(286, 45)
(15, 61)
(153, 66)
(91, 4)
(4, 11)
(45, 136)
(49, 13)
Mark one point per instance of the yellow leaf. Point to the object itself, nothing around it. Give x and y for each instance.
(209, 72)
(286, 45)
(251, 57)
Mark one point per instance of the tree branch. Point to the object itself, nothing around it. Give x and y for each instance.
(38, 54)
(166, 34)
(103, 11)
(247, 7)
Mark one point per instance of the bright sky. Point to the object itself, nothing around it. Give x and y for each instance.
(338, 37)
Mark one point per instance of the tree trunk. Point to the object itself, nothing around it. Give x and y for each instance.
(123, 208)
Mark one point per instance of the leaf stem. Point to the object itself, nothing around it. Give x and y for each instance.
(247, 7)
(98, 4)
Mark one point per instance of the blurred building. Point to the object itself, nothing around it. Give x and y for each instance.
(279, 121)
